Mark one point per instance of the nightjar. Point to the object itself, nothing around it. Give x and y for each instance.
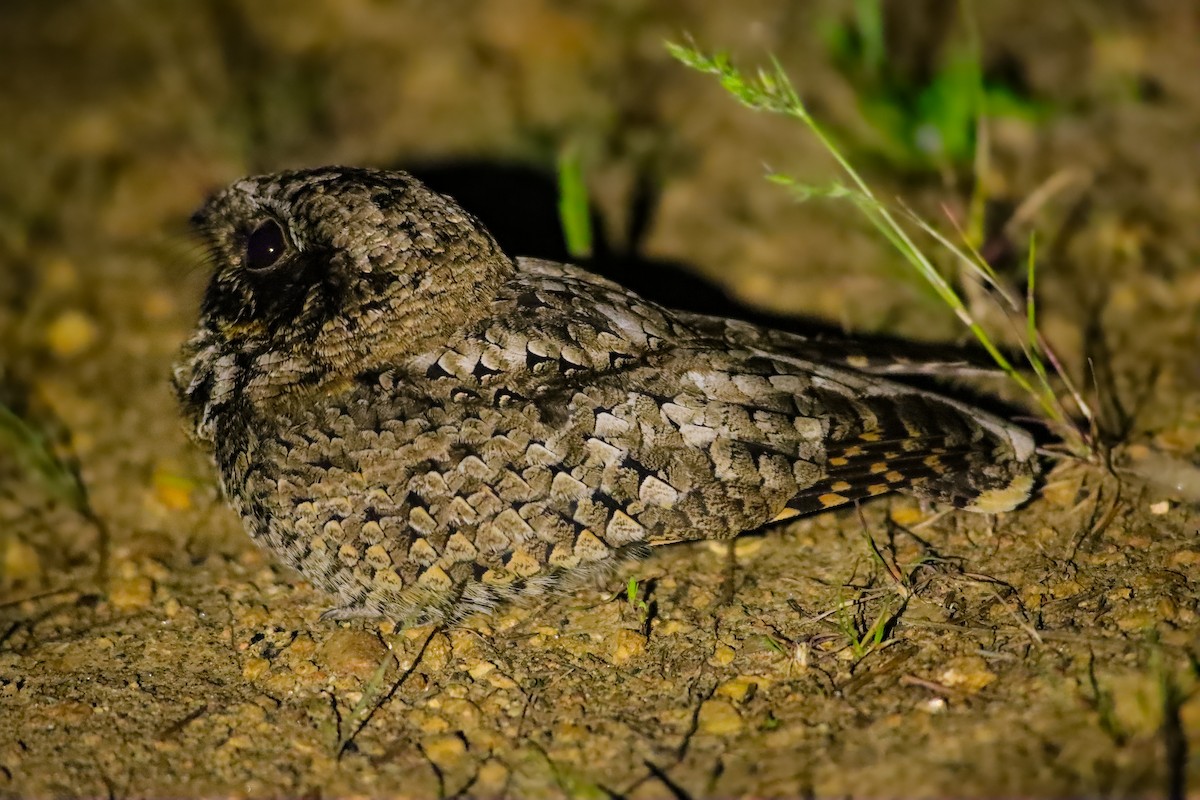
(426, 427)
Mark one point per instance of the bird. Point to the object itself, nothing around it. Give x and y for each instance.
(428, 428)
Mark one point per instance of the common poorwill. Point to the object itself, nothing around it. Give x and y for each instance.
(426, 427)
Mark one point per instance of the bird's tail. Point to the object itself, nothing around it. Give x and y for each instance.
(926, 445)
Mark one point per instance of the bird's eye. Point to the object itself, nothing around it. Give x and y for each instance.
(265, 246)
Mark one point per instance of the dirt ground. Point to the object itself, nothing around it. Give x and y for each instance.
(1050, 651)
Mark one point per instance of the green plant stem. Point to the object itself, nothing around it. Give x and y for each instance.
(773, 91)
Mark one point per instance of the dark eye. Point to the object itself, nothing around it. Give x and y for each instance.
(265, 246)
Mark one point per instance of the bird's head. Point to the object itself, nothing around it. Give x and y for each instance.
(321, 274)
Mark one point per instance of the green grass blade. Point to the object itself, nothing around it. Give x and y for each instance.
(771, 90)
(574, 212)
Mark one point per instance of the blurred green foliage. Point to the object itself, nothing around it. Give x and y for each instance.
(574, 212)
(33, 451)
(921, 124)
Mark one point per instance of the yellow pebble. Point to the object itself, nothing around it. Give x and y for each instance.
(630, 644)
(445, 750)
(21, 561)
(968, 674)
(719, 718)
(491, 778)
(724, 655)
(131, 594)
(71, 333)
(738, 689)
(352, 652)
(907, 515)
(173, 491)
(255, 668)
(478, 671)
(434, 724)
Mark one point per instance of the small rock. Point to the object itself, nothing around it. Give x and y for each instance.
(1135, 621)
(1168, 609)
(446, 750)
(501, 681)
(907, 515)
(723, 656)
(968, 674)
(172, 608)
(239, 741)
(491, 779)
(934, 705)
(630, 644)
(719, 718)
(437, 654)
(1065, 588)
(352, 652)
(738, 689)
(1185, 558)
(674, 626)
(480, 670)
(464, 713)
(131, 594)
(71, 333)
(255, 668)
(1119, 594)
(21, 561)
(303, 647)
(434, 724)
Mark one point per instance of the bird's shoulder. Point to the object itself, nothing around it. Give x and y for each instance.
(552, 324)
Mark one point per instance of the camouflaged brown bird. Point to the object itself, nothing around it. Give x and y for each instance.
(426, 427)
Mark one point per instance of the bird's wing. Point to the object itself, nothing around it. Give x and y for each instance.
(783, 435)
(746, 396)
(876, 357)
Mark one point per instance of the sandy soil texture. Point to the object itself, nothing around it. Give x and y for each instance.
(1049, 651)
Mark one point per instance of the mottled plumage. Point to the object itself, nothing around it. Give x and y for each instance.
(425, 427)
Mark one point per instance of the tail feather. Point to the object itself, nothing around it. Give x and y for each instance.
(927, 446)
(911, 473)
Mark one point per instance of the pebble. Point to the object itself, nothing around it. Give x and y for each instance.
(674, 626)
(445, 750)
(71, 333)
(21, 561)
(719, 718)
(491, 778)
(480, 670)
(907, 515)
(738, 689)
(131, 594)
(172, 491)
(1185, 558)
(437, 654)
(255, 668)
(967, 674)
(723, 655)
(629, 645)
(351, 652)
